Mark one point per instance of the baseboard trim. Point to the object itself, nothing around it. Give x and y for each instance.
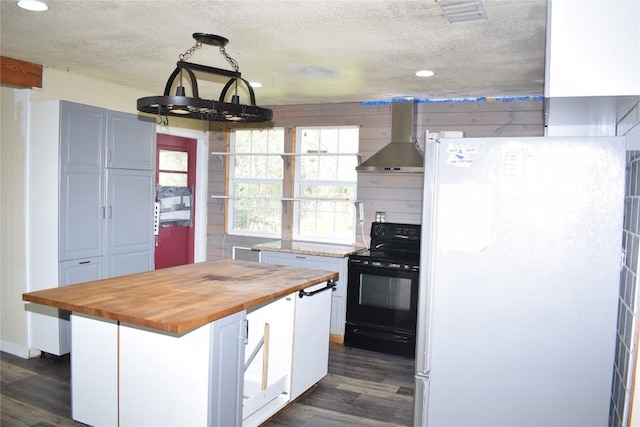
(18, 350)
(336, 339)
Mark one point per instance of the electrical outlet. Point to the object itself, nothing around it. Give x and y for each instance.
(381, 216)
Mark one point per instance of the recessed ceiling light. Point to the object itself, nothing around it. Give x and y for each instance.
(425, 73)
(35, 5)
(255, 84)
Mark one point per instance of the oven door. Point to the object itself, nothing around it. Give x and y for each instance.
(382, 296)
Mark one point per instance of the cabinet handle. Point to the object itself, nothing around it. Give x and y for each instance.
(84, 262)
(330, 285)
(109, 210)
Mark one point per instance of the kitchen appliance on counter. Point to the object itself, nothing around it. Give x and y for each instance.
(519, 278)
(382, 291)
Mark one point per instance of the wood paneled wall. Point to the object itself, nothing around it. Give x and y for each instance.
(399, 195)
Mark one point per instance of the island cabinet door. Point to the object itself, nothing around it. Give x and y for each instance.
(310, 339)
(226, 373)
(94, 370)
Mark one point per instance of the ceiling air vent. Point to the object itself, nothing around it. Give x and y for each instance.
(463, 10)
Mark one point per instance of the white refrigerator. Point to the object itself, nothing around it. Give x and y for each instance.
(520, 264)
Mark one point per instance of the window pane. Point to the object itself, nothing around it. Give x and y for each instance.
(242, 167)
(257, 215)
(326, 192)
(253, 189)
(173, 160)
(308, 167)
(328, 168)
(170, 179)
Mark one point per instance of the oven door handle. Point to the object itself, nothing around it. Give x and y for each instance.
(330, 285)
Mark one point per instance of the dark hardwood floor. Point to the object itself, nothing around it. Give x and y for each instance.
(362, 389)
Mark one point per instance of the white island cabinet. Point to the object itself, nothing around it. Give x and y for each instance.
(221, 343)
(124, 375)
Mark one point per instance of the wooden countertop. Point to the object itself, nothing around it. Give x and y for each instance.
(180, 299)
(307, 248)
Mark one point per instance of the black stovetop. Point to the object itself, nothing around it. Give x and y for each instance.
(388, 255)
(392, 242)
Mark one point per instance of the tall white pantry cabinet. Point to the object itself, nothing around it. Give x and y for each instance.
(90, 196)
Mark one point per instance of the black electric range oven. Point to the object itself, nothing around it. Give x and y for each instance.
(382, 291)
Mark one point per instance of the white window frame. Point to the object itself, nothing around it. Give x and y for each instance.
(233, 181)
(338, 237)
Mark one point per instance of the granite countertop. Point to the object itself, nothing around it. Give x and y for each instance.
(179, 299)
(307, 248)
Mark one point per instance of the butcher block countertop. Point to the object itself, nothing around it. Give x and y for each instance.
(180, 299)
(307, 248)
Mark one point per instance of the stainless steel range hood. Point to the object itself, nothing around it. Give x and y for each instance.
(401, 155)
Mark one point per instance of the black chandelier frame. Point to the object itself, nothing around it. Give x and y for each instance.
(195, 107)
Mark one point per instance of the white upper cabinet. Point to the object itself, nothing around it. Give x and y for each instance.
(593, 48)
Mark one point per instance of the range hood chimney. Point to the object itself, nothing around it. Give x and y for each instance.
(402, 154)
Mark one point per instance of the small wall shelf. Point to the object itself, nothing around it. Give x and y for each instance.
(224, 153)
(286, 199)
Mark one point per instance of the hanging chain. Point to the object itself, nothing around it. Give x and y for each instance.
(229, 59)
(190, 51)
(224, 53)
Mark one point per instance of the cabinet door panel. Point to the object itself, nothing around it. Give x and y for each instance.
(163, 377)
(81, 216)
(311, 340)
(81, 181)
(94, 371)
(130, 263)
(82, 138)
(130, 141)
(226, 371)
(81, 270)
(130, 220)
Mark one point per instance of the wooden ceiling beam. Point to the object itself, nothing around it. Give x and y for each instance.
(19, 74)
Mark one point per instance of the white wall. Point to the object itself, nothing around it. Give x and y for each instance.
(13, 139)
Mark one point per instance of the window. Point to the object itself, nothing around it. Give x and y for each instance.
(326, 176)
(321, 188)
(172, 168)
(255, 182)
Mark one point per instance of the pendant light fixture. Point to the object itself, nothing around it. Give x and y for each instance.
(194, 106)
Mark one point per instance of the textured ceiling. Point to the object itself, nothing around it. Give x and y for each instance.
(301, 51)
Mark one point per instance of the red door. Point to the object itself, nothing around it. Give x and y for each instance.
(176, 185)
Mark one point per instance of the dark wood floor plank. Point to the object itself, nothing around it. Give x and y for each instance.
(362, 388)
(310, 416)
(15, 413)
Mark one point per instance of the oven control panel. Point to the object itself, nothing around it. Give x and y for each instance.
(389, 230)
(393, 265)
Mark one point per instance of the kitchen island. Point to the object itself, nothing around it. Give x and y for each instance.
(204, 344)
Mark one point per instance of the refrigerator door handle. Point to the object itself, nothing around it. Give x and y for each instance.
(420, 400)
(427, 256)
